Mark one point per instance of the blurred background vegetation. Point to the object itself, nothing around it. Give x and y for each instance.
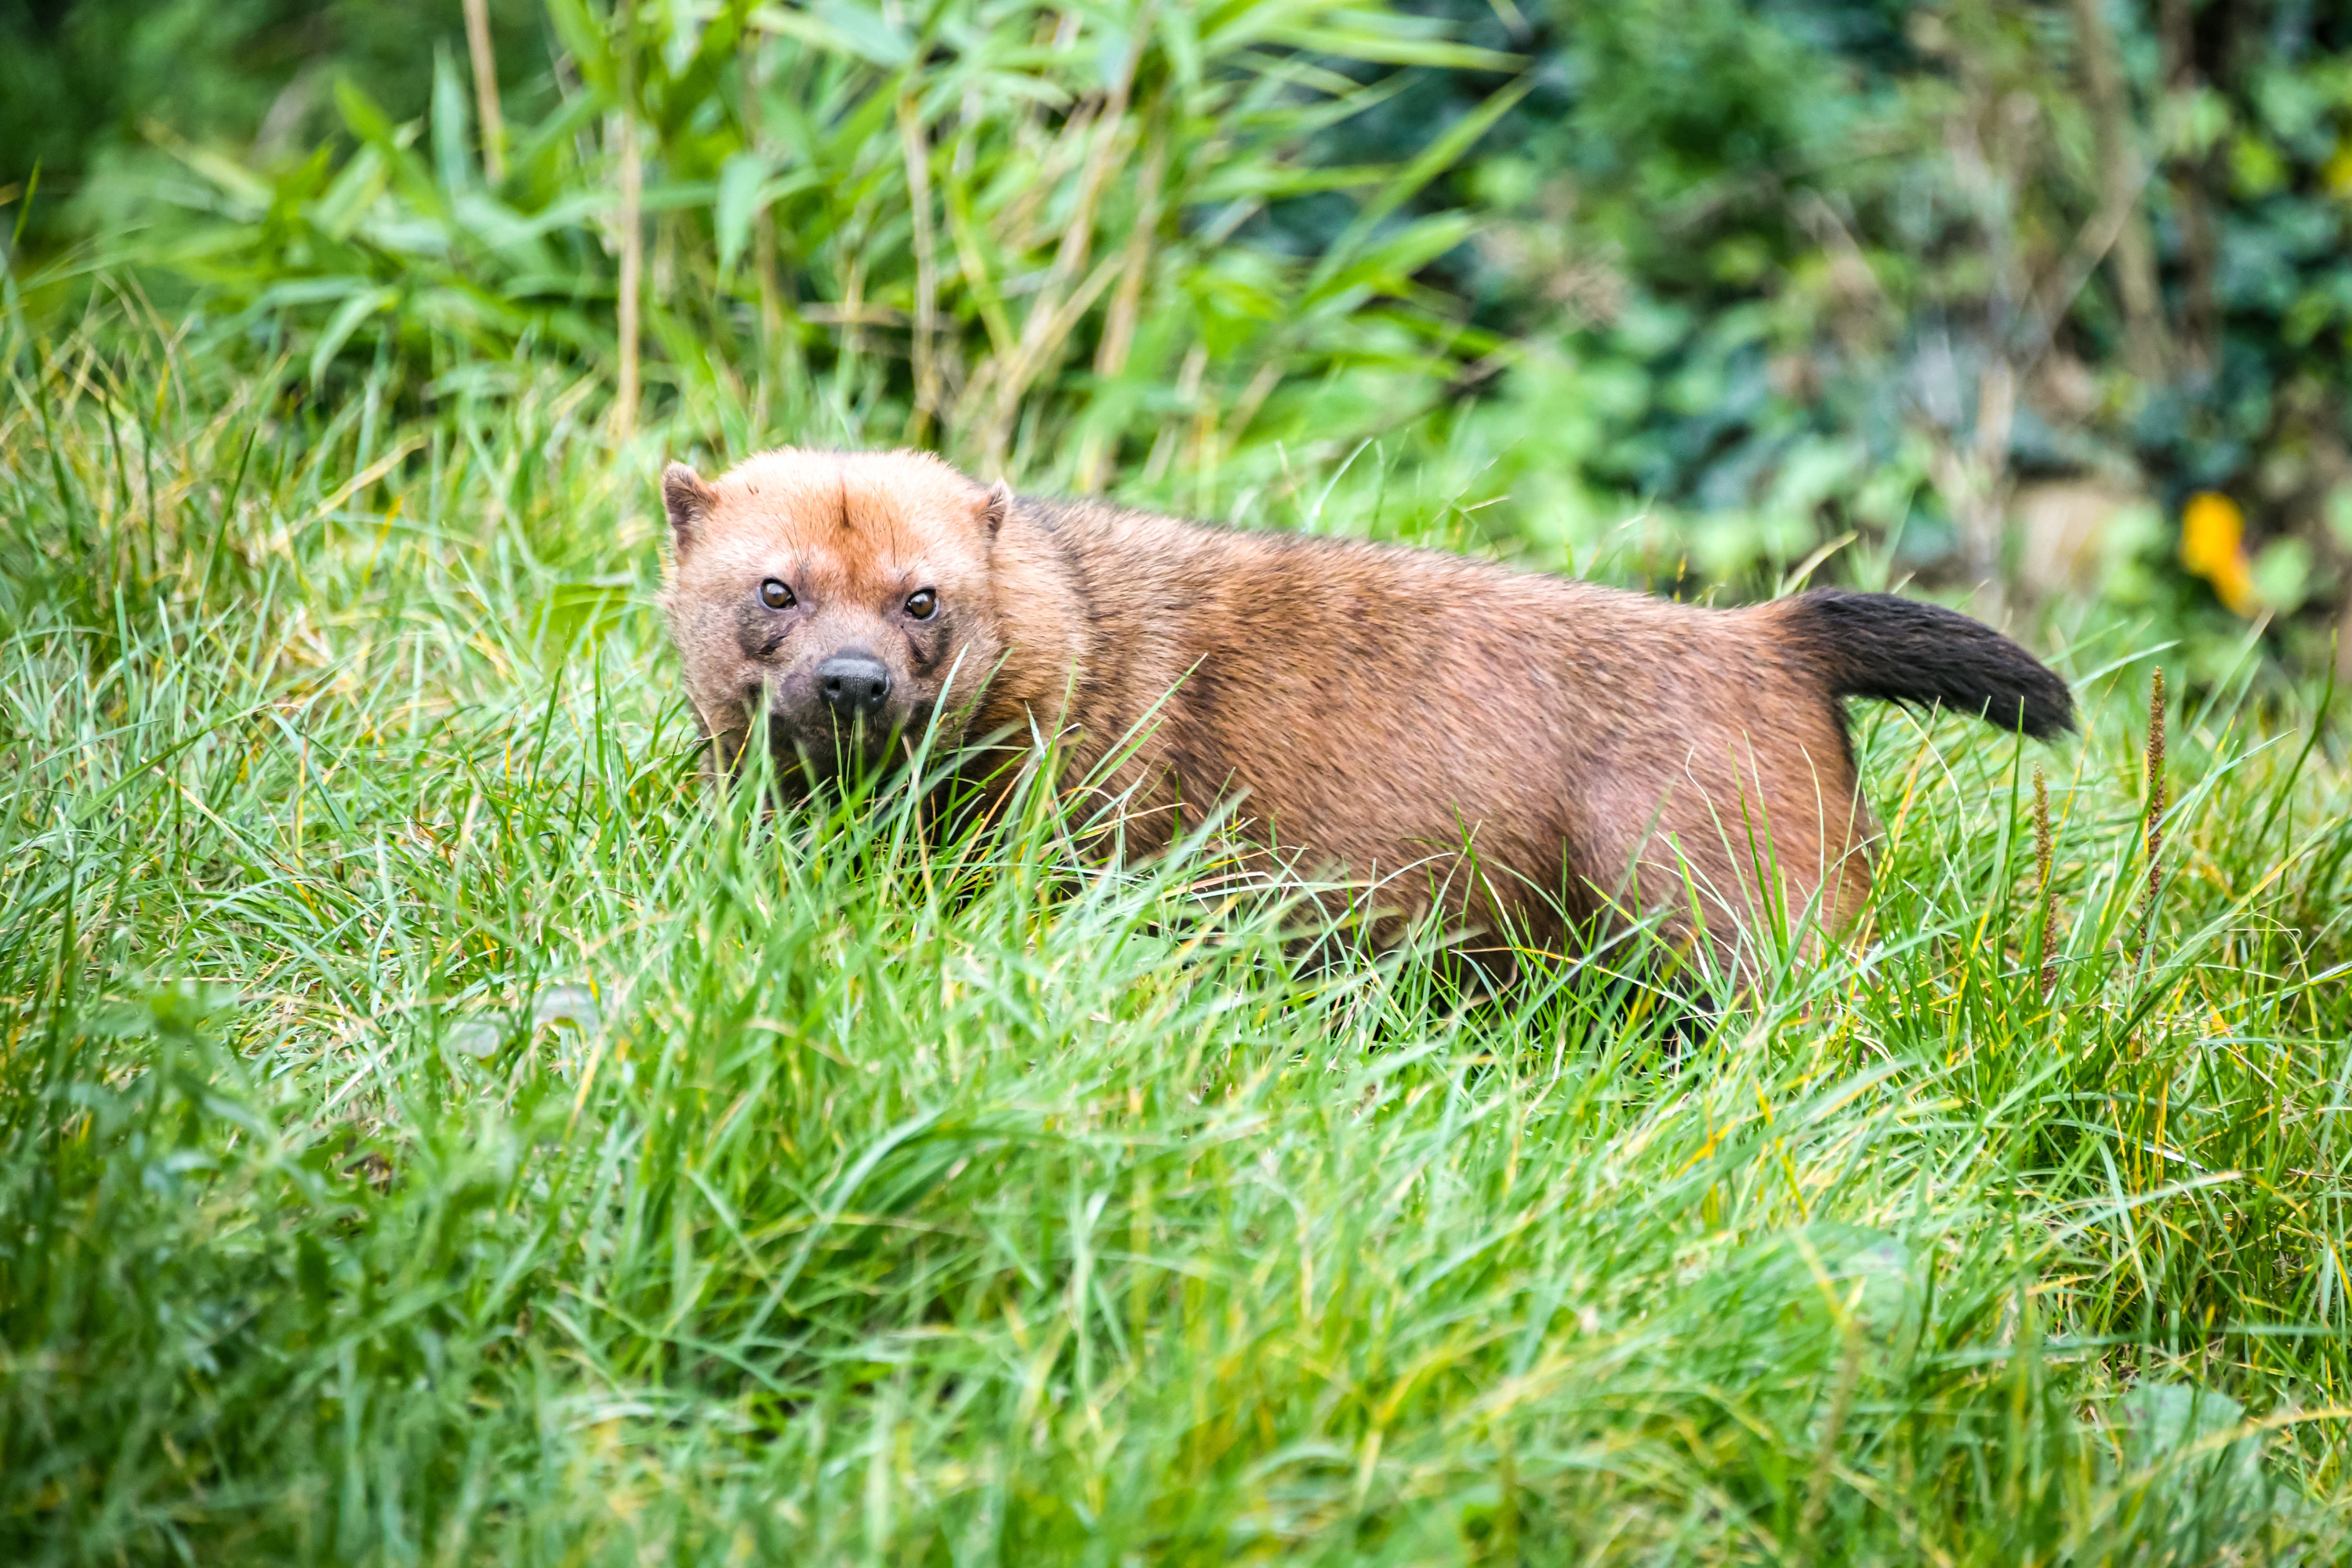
(2041, 305)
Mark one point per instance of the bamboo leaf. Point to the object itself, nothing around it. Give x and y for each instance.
(1433, 160)
(346, 320)
(586, 41)
(740, 200)
(839, 29)
(451, 165)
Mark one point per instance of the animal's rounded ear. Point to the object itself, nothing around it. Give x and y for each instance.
(997, 507)
(689, 502)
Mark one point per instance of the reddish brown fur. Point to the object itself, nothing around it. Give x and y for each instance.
(1374, 709)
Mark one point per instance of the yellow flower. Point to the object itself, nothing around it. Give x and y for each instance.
(2336, 173)
(2212, 545)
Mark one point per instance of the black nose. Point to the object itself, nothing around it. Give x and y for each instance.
(853, 685)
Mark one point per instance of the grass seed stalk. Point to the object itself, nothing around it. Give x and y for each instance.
(2152, 829)
(2044, 861)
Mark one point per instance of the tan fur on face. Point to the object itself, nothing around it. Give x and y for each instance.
(852, 536)
(1374, 709)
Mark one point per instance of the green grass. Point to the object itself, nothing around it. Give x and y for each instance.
(431, 1131)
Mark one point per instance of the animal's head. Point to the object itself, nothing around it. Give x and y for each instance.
(842, 594)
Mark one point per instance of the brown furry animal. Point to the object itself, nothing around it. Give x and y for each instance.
(1531, 754)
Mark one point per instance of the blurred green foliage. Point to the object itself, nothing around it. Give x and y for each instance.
(81, 81)
(1703, 289)
(1794, 237)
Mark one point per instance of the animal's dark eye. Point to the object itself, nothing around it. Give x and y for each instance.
(923, 604)
(775, 595)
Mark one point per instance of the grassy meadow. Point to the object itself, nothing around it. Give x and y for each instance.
(430, 1130)
(434, 1131)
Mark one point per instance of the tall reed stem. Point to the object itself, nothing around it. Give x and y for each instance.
(633, 237)
(486, 90)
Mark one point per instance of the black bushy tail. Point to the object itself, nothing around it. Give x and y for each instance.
(1877, 645)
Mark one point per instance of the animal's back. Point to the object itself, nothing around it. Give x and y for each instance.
(1511, 743)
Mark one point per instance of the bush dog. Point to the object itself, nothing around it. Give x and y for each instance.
(1527, 757)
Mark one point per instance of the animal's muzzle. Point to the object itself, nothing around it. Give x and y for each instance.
(855, 686)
